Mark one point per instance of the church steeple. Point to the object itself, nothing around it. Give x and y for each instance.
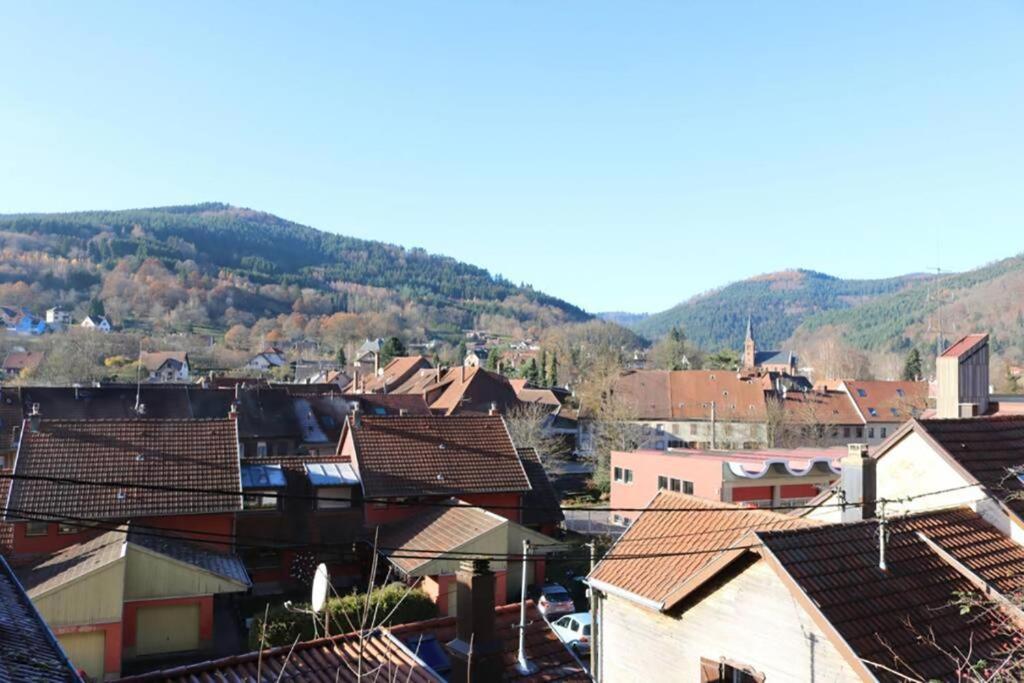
(749, 347)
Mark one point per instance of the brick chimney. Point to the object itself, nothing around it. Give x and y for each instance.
(476, 651)
(858, 484)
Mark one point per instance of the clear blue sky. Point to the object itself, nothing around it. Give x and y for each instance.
(621, 155)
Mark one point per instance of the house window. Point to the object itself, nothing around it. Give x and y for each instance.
(259, 500)
(846, 432)
(331, 497)
(64, 528)
(727, 672)
(883, 431)
(693, 428)
(37, 528)
(618, 474)
(663, 482)
(684, 486)
(261, 449)
(871, 432)
(860, 432)
(627, 476)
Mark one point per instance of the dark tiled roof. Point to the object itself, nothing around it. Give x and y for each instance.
(436, 455)
(327, 659)
(543, 648)
(391, 404)
(119, 400)
(887, 616)
(773, 358)
(199, 454)
(28, 650)
(988, 448)
(68, 564)
(684, 543)
(222, 564)
(541, 504)
(154, 360)
(439, 529)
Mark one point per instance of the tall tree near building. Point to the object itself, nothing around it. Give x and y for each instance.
(391, 348)
(553, 370)
(96, 308)
(494, 360)
(544, 368)
(912, 366)
(339, 356)
(531, 374)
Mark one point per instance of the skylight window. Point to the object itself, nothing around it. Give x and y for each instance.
(895, 413)
(873, 412)
(899, 392)
(862, 393)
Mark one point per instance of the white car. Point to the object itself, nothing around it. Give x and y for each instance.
(574, 630)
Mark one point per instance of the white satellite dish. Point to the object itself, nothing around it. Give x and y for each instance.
(320, 580)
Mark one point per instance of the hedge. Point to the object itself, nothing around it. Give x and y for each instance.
(283, 625)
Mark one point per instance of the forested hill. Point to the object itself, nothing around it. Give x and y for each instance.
(215, 264)
(777, 302)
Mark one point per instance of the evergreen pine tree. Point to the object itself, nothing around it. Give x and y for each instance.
(544, 368)
(553, 370)
(340, 357)
(531, 373)
(912, 366)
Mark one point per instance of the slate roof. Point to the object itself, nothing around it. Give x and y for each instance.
(73, 562)
(682, 545)
(436, 455)
(166, 401)
(543, 648)
(28, 649)
(987, 448)
(224, 565)
(201, 454)
(390, 404)
(541, 504)
(326, 659)
(438, 530)
(888, 401)
(886, 616)
(773, 358)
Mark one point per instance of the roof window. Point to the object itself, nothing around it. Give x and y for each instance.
(862, 393)
(873, 412)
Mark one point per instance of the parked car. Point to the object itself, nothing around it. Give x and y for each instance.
(555, 600)
(574, 630)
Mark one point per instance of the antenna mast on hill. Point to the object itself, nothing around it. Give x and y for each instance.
(936, 296)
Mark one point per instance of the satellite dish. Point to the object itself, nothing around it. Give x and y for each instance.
(320, 580)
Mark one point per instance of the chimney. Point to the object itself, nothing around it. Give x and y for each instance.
(34, 417)
(357, 416)
(476, 651)
(233, 412)
(376, 363)
(858, 484)
(493, 410)
(402, 412)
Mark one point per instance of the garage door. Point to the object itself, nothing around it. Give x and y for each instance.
(169, 628)
(85, 650)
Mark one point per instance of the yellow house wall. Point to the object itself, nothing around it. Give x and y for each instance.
(93, 599)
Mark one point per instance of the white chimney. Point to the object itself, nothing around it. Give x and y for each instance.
(858, 484)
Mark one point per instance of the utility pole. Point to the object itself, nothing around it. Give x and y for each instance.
(524, 666)
(593, 612)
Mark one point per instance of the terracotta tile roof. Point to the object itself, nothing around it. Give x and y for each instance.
(965, 345)
(28, 649)
(436, 455)
(688, 394)
(391, 404)
(885, 616)
(472, 390)
(154, 360)
(541, 504)
(395, 373)
(543, 648)
(440, 529)
(200, 454)
(821, 408)
(542, 396)
(888, 401)
(684, 544)
(988, 448)
(6, 528)
(326, 659)
(23, 360)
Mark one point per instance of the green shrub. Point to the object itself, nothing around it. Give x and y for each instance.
(283, 625)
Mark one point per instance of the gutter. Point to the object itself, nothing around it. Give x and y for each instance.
(626, 595)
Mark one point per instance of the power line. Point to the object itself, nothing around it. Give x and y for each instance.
(393, 501)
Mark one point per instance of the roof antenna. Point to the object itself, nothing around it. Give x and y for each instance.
(883, 536)
(138, 380)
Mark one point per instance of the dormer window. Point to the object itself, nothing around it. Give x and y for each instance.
(872, 412)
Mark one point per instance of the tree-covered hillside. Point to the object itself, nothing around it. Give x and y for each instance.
(777, 302)
(215, 265)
